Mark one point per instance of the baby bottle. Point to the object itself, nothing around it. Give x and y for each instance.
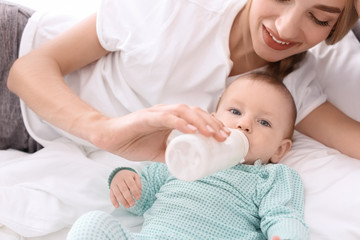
(190, 157)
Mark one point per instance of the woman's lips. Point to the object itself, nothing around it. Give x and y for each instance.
(275, 43)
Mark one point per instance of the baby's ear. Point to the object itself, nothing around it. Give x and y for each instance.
(281, 151)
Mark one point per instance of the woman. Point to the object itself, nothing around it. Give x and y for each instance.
(187, 50)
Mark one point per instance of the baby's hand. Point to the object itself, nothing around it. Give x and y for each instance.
(277, 238)
(125, 186)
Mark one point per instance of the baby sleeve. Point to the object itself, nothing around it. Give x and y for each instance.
(152, 178)
(281, 207)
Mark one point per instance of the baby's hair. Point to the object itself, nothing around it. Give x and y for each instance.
(277, 82)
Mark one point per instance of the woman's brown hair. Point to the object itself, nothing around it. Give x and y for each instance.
(344, 24)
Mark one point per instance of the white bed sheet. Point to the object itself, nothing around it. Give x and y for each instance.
(43, 193)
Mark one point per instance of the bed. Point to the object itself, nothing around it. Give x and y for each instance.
(42, 194)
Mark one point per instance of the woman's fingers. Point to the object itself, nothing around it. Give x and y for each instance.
(211, 124)
(188, 119)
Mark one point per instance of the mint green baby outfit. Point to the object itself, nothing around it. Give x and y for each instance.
(243, 202)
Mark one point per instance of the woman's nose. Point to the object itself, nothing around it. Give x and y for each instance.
(288, 24)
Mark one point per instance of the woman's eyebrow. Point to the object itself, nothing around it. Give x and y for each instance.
(328, 9)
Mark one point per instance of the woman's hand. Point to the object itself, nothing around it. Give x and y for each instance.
(125, 186)
(142, 135)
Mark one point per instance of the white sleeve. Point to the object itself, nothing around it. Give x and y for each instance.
(306, 91)
(122, 21)
(339, 65)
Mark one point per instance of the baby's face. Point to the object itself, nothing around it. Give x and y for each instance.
(260, 111)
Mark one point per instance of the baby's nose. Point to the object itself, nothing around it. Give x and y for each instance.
(244, 125)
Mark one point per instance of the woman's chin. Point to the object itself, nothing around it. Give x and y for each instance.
(273, 56)
(270, 58)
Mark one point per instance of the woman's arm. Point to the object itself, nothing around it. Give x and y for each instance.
(37, 78)
(330, 126)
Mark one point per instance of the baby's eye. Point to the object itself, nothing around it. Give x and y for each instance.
(235, 112)
(265, 123)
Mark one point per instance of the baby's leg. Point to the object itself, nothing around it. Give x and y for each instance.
(98, 225)
(13, 134)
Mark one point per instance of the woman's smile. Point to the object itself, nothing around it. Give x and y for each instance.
(280, 29)
(275, 42)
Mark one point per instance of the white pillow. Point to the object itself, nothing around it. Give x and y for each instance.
(331, 179)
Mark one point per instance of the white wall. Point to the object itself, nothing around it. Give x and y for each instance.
(80, 8)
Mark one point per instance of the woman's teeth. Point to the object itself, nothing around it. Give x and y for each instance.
(278, 41)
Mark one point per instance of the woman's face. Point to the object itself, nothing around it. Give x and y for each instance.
(282, 28)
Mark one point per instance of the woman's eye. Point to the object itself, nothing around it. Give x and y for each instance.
(265, 123)
(235, 112)
(318, 22)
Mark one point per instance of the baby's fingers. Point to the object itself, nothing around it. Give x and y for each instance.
(122, 195)
(113, 199)
(134, 185)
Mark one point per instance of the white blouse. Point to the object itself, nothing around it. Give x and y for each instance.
(163, 51)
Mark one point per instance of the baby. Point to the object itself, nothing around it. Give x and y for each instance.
(258, 199)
